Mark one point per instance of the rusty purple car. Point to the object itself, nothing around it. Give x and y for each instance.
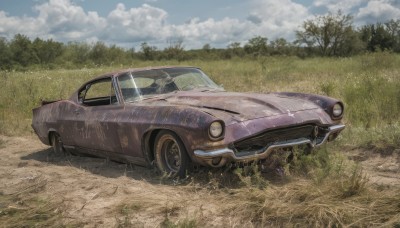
(174, 117)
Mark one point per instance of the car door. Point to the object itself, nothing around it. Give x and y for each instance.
(97, 119)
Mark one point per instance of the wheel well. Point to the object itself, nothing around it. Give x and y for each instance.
(148, 145)
(149, 141)
(49, 136)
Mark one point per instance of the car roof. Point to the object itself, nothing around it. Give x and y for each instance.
(119, 72)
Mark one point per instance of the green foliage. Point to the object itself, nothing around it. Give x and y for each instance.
(22, 51)
(148, 52)
(328, 88)
(174, 50)
(322, 165)
(281, 47)
(381, 37)
(5, 55)
(256, 46)
(250, 176)
(47, 52)
(372, 100)
(355, 184)
(333, 34)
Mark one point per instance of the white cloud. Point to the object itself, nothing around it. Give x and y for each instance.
(377, 10)
(210, 31)
(14, 25)
(364, 12)
(135, 24)
(67, 21)
(346, 6)
(64, 20)
(278, 18)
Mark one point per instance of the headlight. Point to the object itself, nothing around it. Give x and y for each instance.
(337, 110)
(216, 129)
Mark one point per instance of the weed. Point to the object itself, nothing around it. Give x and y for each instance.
(250, 176)
(353, 185)
(328, 88)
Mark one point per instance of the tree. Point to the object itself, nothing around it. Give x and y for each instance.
(22, 52)
(46, 51)
(256, 46)
(5, 54)
(98, 53)
(117, 54)
(175, 49)
(377, 37)
(280, 47)
(206, 48)
(148, 52)
(393, 28)
(77, 53)
(235, 49)
(332, 34)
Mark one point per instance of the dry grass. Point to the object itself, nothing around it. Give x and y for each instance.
(302, 203)
(23, 207)
(321, 189)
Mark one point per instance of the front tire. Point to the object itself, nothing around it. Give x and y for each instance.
(170, 154)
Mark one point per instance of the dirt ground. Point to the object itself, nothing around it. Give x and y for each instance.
(94, 192)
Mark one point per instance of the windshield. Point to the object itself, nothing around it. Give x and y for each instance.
(141, 84)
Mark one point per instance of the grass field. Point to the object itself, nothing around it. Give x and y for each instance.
(324, 189)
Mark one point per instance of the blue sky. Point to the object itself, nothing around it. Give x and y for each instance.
(157, 22)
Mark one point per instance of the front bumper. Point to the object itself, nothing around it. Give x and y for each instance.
(219, 157)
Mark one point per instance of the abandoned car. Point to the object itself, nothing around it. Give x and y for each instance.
(177, 116)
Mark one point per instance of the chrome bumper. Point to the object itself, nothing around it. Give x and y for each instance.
(227, 154)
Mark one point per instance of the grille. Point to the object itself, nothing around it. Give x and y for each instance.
(262, 140)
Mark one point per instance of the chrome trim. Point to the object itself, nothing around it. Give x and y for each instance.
(332, 130)
(229, 154)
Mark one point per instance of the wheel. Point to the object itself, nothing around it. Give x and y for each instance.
(57, 144)
(170, 154)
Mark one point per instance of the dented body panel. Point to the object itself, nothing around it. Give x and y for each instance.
(125, 131)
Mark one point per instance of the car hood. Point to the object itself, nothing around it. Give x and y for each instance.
(241, 106)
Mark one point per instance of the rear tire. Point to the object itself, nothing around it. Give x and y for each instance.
(56, 143)
(170, 154)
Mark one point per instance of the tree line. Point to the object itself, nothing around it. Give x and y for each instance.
(328, 35)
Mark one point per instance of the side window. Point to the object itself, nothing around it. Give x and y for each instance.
(100, 89)
(99, 93)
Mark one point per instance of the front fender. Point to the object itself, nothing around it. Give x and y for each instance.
(326, 103)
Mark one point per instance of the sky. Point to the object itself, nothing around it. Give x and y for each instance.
(128, 23)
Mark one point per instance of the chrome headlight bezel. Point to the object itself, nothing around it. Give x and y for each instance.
(216, 130)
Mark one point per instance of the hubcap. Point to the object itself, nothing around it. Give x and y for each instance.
(171, 155)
